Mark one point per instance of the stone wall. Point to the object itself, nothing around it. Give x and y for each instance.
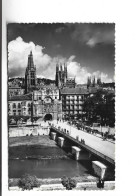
(23, 131)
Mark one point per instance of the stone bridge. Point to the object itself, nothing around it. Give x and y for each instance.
(84, 145)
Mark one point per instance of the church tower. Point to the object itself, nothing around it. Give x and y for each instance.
(88, 81)
(30, 75)
(61, 75)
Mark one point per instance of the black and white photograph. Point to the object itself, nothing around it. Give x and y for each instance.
(61, 106)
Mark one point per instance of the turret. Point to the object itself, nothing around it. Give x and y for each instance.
(88, 81)
(61, 67)
(57, 68)
(65, 70)
(30, 61)
(93, 83)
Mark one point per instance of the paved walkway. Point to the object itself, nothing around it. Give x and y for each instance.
(103, 146)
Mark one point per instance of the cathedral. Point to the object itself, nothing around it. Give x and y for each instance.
(38, 101)
(62, 79)
(55, 101)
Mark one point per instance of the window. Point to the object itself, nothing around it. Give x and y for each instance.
(32, 74)
(29, 104)
(29, 109)
(55, 97)
(24, 103)
(19, 105)
(14, 105)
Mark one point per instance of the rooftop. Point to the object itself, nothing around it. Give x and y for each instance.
(21, 97)
(74, 91)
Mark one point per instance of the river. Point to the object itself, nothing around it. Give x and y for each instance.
(44, 161)
(49, 168)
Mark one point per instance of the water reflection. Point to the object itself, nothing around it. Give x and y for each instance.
(46, 168)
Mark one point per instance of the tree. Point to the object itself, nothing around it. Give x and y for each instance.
(28, 182)
(69, 183)
(101, 106)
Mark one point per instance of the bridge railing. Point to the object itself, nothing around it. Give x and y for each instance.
(82, 143)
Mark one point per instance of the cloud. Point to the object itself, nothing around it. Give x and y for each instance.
(71, 58)
(18, 51)
(80, 73)
(58, 46)
(93, 34)
(104, 77)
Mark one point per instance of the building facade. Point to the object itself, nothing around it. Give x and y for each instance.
(15, 87)
(70, 83)
(72, 101)
(46, 103)
(20, 105)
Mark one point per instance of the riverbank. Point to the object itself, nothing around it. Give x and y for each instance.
(86, 183)
(35, 147)
(44, 181)
(42, 140)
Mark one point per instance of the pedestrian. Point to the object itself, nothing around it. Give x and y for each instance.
(102, 183)
(99, 183)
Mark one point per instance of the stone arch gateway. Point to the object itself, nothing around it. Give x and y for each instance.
(48, 117)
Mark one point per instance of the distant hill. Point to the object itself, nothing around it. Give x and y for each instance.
(45, 81)
(16, 78)
(39, 80)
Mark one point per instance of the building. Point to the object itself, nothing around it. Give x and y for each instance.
(46, 104)
(20, 105)
(70, 82)
(15, 87)
(54, 101)
(61, 75)
(93, 82)
(30, 75)
(72, 100)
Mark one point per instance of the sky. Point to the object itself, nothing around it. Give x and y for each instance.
(87, 48)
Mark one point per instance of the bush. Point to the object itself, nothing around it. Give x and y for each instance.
(69, 183)
(28, 182)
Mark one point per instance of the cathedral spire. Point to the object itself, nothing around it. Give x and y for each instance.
(30, 60)
(30, 74)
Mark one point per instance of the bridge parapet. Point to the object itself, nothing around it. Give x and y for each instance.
(99, 169)
(61, 141)
(53, 136)
(76, 151)
(76, 139)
